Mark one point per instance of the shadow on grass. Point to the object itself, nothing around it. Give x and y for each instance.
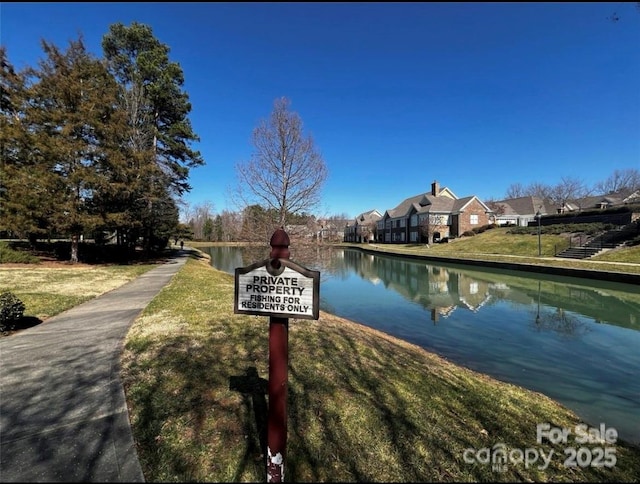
(25, 322)
(91, 253)
(194, 254)
(253, 389)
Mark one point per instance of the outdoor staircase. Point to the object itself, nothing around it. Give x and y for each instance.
(579, 252)
(608, 240)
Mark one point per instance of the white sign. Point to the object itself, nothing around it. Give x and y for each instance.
(289, 291)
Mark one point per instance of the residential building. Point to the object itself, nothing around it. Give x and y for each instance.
(520, 211)
(331, 230)
(431, 217)
(363, 228)
(600, 202)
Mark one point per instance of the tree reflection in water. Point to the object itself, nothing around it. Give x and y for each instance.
(573, 339)
(558, 320)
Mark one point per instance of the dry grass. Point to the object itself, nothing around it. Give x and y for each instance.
(362, 405)
(48, 289)
(498, 245)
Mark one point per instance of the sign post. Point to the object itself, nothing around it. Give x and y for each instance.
(278, 288)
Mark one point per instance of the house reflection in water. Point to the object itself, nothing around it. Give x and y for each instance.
(551, 334)
(442, 289)
(439, 290)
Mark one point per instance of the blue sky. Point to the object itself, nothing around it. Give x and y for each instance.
(396, 95)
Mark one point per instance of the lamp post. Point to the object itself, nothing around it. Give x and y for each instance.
(538, 217)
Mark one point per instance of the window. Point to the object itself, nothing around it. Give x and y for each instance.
(474, 219)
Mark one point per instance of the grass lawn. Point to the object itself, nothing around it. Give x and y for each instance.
(48, 289)
(500, 246)
(362, 406)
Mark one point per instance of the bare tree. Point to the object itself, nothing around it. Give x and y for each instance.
(496, 207)
(197, 217)
(428, 225)
(569, 188)
(540, 190)
(286, 172)
(534, 189)
(515, 190)
(624, 181)
(231, 225)
(333, 226)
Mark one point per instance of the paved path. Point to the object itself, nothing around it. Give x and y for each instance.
(63, 414)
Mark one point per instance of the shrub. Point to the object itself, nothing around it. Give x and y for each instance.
(11, 310)
(469, 233)
(481, 229)
(520, 230)
(9, 254)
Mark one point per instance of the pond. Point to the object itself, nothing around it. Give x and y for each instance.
(575, 340)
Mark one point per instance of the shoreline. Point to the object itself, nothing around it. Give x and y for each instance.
(608, 276)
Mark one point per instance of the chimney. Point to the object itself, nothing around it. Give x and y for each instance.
(435, 188)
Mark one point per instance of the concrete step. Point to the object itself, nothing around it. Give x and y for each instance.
(579, 252)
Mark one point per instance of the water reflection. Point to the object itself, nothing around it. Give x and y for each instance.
(575, 340)
(442, 289)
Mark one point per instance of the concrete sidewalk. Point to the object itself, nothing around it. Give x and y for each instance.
(63, 414)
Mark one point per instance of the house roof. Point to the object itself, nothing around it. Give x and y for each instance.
(370, 217)
(525, 206)
(596, 201)
(633, 198)
(444, 202)
(462, 203)
(423, 203)
(609, 199)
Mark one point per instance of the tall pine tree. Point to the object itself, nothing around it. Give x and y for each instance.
(71, 119)
(26, 184)
(159, 131)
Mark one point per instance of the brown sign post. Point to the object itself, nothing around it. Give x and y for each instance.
(279, 288)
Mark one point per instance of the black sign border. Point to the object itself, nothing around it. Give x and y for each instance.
(314, 275)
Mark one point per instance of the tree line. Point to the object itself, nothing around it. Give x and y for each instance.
(256, 224)
(621, 182)
(98, 146)
(103, 147)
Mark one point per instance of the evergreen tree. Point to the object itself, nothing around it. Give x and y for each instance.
(159, 130)
(23, 211)
(70, 115)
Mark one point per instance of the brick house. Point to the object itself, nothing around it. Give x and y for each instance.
(432, 216)
(519, 211)
(363, 228)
